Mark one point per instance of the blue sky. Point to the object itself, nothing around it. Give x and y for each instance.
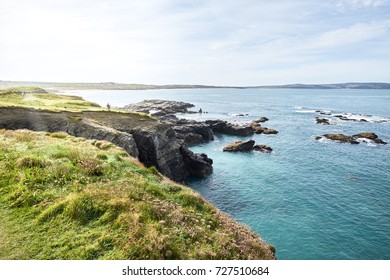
(240, 42)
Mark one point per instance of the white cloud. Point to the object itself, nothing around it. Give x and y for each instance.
(356, 4)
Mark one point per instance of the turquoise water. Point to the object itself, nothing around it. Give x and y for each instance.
(312, 200)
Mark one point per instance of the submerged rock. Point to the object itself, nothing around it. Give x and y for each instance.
(322, 121)
(240, 146)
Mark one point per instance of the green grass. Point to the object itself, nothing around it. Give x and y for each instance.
(37, 98)
(69, 198)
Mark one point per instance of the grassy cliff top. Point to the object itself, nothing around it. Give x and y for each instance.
(37, 98)
(69, 198)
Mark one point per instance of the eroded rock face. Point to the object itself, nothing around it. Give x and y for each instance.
(153, 142)
(198, 165)
(240, 146)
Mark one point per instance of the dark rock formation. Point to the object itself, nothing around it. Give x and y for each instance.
(224, 127)
(198, 165)
(368, 135)
(353, 139)
(262, 148)
(154, 143)
(322, 121)
(371, 136)
(240, 146)
(341, 138)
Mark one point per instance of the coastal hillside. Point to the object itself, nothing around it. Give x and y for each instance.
(99, 194)
(64, 197)
(120, 86)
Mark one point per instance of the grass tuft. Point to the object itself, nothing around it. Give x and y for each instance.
(84, 208)
(31, 161)
(59, 135)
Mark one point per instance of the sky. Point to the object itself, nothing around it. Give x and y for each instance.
(211, 42)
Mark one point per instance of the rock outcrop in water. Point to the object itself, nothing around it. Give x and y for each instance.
(261, 120)
(241, 146)
(153, 142)
(262, 148)
(354, 139)
(224, 127)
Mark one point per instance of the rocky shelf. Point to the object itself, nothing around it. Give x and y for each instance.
(192, 132)
(354, 139)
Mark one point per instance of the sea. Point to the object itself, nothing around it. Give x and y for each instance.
(313, 200)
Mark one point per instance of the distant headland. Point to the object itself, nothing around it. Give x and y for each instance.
(124, 86)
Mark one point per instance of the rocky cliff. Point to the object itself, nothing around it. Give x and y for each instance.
(153, 142)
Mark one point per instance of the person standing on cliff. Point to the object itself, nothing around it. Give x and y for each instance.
(108, 106)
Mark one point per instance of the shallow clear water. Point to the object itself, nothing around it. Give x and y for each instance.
(312, 200)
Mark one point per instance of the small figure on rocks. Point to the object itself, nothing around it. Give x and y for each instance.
(108, 106)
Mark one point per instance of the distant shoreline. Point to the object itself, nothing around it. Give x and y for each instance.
(122, 86)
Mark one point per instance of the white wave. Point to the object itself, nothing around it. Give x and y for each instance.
(305, 111)
(324, 140)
